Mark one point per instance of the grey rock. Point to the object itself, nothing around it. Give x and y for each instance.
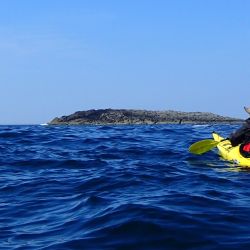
(130, 116)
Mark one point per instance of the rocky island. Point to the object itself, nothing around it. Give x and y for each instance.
(131, 116)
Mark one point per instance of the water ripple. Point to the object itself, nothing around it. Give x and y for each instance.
(119, 187)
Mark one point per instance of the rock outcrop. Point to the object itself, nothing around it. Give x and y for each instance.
(129, 116)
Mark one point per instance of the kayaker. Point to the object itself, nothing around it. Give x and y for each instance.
(242, 136)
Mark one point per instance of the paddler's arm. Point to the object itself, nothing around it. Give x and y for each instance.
(238, 136)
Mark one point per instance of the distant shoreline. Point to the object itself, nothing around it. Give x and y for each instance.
(131, 116)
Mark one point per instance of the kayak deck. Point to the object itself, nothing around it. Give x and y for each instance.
(230, 153)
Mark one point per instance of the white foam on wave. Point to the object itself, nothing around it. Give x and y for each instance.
(201, 125)
(44, 124)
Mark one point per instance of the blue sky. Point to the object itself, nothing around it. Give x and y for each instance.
(61, 56)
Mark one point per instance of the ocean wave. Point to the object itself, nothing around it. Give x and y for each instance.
(119, 187)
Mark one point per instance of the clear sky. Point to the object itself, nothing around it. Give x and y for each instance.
(61, 56)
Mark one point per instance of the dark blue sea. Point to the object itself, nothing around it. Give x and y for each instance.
(119, 187)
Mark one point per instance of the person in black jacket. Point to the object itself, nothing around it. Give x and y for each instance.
(242, 136)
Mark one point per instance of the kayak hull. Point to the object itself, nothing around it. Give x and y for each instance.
(230, 153)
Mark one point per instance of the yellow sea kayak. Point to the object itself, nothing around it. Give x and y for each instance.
(230, 153)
